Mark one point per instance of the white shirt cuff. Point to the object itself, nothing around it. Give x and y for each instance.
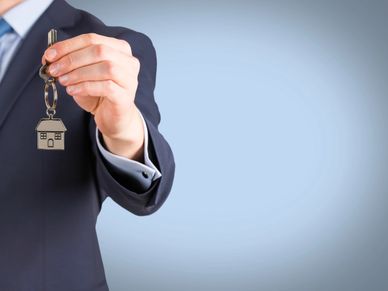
(147, 170)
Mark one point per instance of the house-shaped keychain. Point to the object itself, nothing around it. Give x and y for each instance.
(50, 134)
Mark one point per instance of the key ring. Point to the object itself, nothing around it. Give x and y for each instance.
(50, 83)
(43, 74)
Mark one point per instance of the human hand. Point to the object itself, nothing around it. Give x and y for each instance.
(102, 76)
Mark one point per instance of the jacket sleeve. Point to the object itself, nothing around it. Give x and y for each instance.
(124, 190)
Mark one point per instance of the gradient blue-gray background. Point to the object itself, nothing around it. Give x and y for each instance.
(277, 114)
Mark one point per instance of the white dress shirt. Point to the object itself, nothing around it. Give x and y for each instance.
(21, 18)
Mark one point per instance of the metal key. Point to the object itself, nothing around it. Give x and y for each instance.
(51, 39)
(50, 131)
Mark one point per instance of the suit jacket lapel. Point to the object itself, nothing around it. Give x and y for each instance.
(26, 61)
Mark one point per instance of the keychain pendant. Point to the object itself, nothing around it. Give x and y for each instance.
(50, 132)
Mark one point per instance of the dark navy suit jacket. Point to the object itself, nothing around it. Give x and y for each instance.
(50, 200)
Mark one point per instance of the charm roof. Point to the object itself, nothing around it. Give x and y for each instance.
(50, 125)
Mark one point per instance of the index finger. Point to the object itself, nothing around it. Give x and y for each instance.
(62, 48)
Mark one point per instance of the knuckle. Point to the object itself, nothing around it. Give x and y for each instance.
(110, 88)
(91, 37)
(69, 61)
(136, 63)
(126, 45)
(74, 76)
(100, 51)
(110, 69)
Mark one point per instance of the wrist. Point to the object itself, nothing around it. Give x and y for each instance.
(130, 144)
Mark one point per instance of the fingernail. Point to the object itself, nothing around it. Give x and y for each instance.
(72, 89)
(51, 53)
(63, 79)
(54, 69)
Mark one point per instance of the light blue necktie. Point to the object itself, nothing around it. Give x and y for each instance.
(4, 27)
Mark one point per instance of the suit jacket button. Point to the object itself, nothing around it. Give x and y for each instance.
(145, 174)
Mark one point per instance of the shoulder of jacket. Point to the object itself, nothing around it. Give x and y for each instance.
(87, 23)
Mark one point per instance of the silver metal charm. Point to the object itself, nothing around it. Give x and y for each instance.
(50, 132)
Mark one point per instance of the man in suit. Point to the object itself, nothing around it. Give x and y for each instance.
(50, 200)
